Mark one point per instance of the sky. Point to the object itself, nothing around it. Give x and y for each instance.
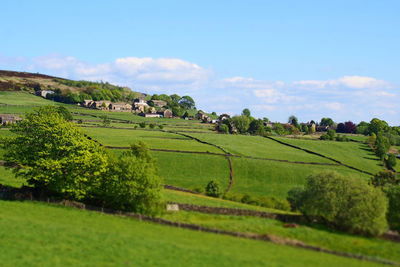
(311, 59)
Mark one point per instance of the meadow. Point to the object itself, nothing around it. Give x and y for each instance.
(56, 235)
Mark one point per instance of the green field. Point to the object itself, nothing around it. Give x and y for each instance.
(190, 170)
(318, 236)
(41, 234)
(23, 98)
(155, 139)
(354, 154)
(268, 178)
(256, 146)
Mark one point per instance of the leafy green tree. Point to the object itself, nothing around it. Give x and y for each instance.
(64, 112)
(213, 189)
(187, 102)
(376, 126)
(246, 112)
(223, 128)
(384, 178)
(175, 97)
(391, 161)
(134, 184)
(295, 197)
(241, 123)
(152, 125)
(382, 146)
(106, 120)
(257, 127)
(54, 155)
(393, 215)
(142, 124)
(265, 119)
(279, 129)
(293, 121)
(346, 203)
(326, 122)
(331, 134)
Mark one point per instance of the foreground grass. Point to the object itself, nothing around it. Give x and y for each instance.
(37, 234)
(354, 154)
(317, 236)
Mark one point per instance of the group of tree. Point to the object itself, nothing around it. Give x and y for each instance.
(177, 104)
(55, 157)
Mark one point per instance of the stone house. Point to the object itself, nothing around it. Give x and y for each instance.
(166, 113)
(102, 104)
(120, 106)
(9, 118)
(150, 115)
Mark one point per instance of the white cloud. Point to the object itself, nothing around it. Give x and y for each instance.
(334, 106)
(355, 82)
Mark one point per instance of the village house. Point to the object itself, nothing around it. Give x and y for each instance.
(87, 103)
(102, 104)
(150, 115)
(44, 93)
(166, 113)
(120, 106)
(139, 105)
(9, 118)
(202, 116)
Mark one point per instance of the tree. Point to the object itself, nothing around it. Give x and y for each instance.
(326, 122)
(187, 102)
(393, 215)
(349, 127)
(384, 178)
(340, 128)
(213, 189)
(257, 127)
(134, 184)
(391, 161)
(293, 121)
(246, 112)
(175, 97)
(64, 112)
(223, 128)
(376, 126)
(106, 120)
(265, 119)
(242, 123)
(346, 203)
(382, 146)
(54, 155)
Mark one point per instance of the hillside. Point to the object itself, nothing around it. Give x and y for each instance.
(189, 154)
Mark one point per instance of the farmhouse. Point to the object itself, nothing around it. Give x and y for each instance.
(87, 103)
(121, 106)
(9, 118)
(202, 116)
(44, 93)
(103, 105)
(150, 115)
(166, 113)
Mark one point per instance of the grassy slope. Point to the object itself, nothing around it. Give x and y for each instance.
(39, 234)
(155, 139)
(323, 237)
(354, 154)
(257, 146)
(266, 178)
(190, 170)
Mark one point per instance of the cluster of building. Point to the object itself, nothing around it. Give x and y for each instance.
(149, 109)
(9, 119)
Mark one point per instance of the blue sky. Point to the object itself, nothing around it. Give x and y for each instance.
(308, 58)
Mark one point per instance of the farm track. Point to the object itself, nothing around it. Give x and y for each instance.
(320, 155)
(260, 237)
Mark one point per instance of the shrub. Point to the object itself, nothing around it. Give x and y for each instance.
(393, 215)
(391, 161)
(213, 189)
(133, 183)
(161, 126)
(142, 124)
(346, 203)
(198, 189)
(233, 196)
(384, 178)
(223, 128)
(80, 121)
(295, 197)
(152, 125)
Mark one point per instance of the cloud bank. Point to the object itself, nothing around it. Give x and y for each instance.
(351, 97)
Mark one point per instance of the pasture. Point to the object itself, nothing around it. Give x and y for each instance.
(47, 238)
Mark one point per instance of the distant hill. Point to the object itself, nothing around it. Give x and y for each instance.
(67, 91)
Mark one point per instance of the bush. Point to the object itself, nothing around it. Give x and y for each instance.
(161, 126)
(393, 215)
(133, 183)
(346, 203)
(223, 128)
(295, 197)
(384, 178)
(142, 124)
(213, 189)
(391, 161)
(198, 189)
(152, 125)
